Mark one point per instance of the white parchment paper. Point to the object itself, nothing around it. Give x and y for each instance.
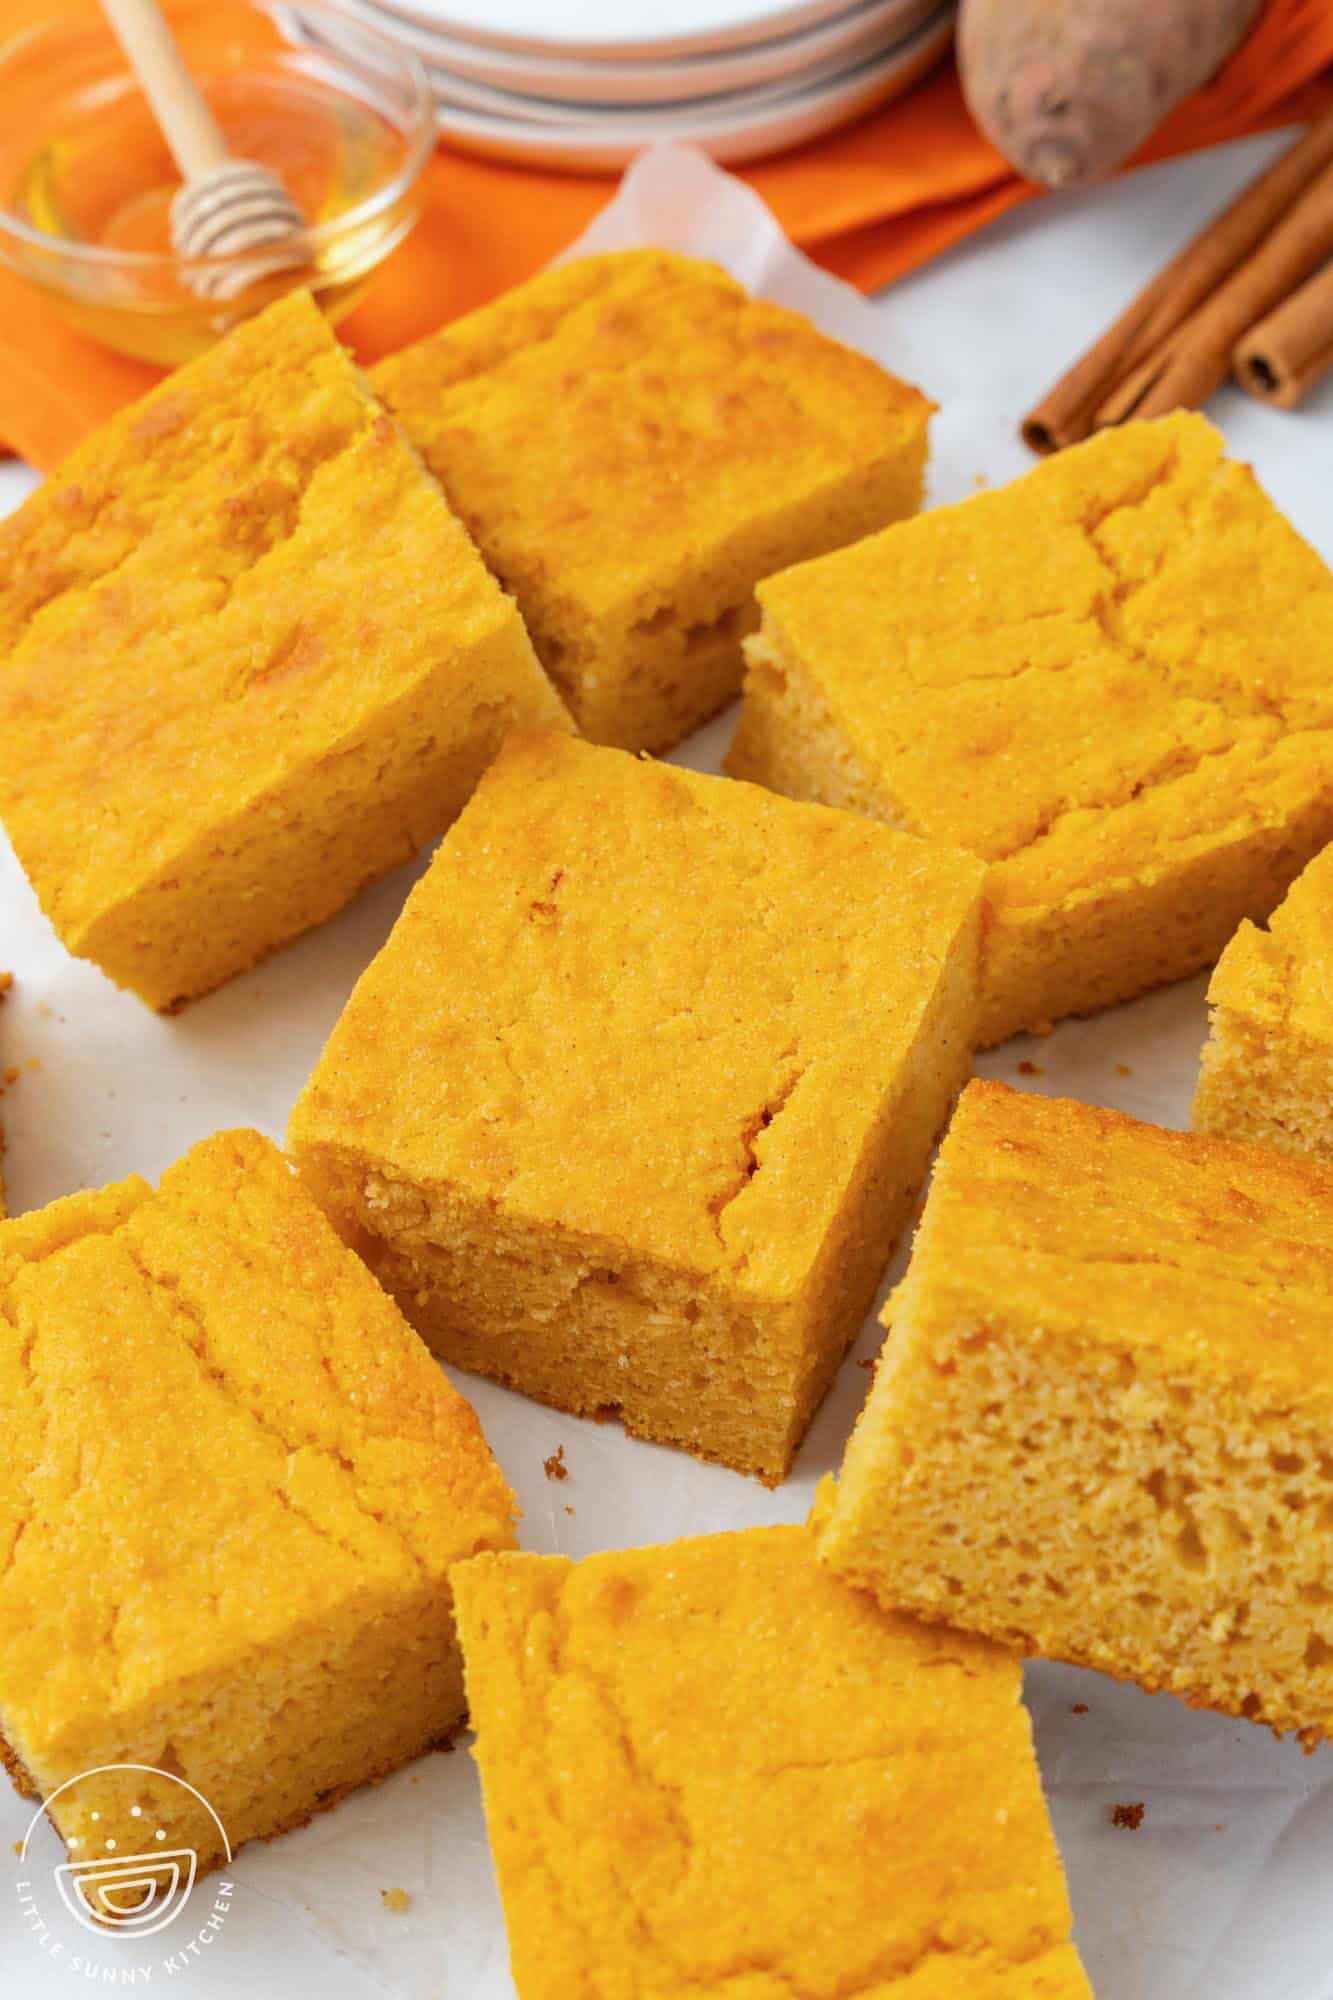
(1226, 1890)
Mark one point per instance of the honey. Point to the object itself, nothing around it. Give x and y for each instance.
(88, 178)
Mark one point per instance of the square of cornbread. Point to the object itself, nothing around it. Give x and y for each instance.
(1100, 1425)
(634, 442)
(232, 1482)
(710, 1768)
(630, 1108)
(1267, 1072)
(1109, 680)
(249, 661)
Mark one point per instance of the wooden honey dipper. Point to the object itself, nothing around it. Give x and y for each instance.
(227, 207)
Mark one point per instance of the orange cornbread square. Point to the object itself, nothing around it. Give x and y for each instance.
(630, 1108)
(232, 1482)
(1267, 1066)
(634, 442)
(1108, 680)
(249, 661)
(710, 1768)
(1099, 1428)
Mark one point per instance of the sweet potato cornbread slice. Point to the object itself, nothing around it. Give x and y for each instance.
(1267, 1070)
(634, 442)
(232, 1482)
(249, 661)
(630, 1109)
(1100, 1425)
(711, 1769)
(1109, 680)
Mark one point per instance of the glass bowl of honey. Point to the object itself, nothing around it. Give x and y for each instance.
(342, 114)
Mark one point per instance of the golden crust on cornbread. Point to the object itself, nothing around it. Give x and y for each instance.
(1267, 1069)
(250, 663)
(634, 442)
(632, 1105)
(708, 1767)
(1099, 1427)
(232, 1485)
(1108, 680)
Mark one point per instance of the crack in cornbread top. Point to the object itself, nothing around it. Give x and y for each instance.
(653, 1007)
(218, 1429)
(1192, 1255)
(1284, 975)
(601, 426)
(217, 589)
(1123, 654)
(688, 1750)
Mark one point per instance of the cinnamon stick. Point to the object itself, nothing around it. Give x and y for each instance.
(1190, 363)
(1290, 351)
(1069, 411)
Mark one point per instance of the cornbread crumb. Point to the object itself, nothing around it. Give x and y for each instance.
(554, 1466)
(1267, 1070)
(709, 1767)
(1107, 679)
(634, 442)
(396, 1900)
(1079, 1708)
(251, 662)
(1128, 1816)
(232, 1486)
(649, 1154)
(1146, 1316)
(1123, 1069)
(1027, 1068)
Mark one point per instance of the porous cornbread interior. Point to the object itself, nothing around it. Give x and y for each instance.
(710, 1768)
(1099, 1429)
(630, 1109)
(1108, 680)
(634, 442)
(250, 662)
(1267, 1069)
(232, 1485)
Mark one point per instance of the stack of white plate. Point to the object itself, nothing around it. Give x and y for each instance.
(585, 84)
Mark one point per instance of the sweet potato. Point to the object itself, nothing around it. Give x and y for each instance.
(1068, 89)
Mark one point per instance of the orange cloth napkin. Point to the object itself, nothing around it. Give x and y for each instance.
(870, 202)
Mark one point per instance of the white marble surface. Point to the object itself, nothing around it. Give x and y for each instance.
(1223, 1893)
